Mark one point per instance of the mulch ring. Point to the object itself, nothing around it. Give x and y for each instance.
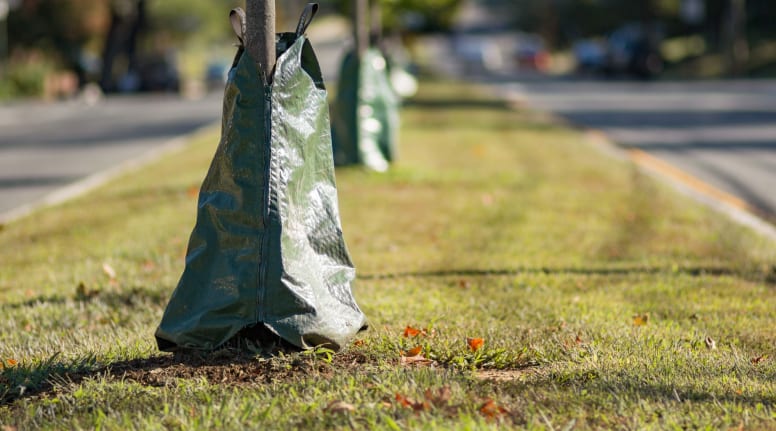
(225, 367)
(228, 368)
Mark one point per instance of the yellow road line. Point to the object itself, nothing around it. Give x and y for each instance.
(651, 162)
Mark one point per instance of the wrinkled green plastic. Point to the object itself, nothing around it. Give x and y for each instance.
(267, 246)
(366, 113)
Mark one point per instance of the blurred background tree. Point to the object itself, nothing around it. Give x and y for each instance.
(418, 15)
(116, 42)
(726, 28)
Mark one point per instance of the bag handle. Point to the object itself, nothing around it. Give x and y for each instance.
(307, 17)
(237, 18)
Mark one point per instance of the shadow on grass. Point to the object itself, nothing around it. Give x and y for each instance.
(127, 297)
(453, 104)
(634, 386)
(766, 276)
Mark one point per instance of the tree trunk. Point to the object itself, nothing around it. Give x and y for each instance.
(125, 27)
(737, 46)
(360, 26)
(260, 35)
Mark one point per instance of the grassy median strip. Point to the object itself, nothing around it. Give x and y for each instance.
(512, 276)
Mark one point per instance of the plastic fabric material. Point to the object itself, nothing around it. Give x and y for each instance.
(366, 113)
(267, 247)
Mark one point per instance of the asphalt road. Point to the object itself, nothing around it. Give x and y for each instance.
(44, 147)
(723, 133)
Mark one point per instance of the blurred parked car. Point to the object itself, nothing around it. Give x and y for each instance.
(216, 73)
(631, 50)
(159, 74)
(590, 56)
(479, 51)
(531, 54)
(154, 73)
(501, 51)
(634, 49)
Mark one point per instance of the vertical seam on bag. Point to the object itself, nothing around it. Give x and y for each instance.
(264, 263)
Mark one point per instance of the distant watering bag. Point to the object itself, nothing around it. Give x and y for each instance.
(267, 248)
(366, 112)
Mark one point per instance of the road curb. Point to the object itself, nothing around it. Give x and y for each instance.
(735, 208)
(700, 191)
(97, 179)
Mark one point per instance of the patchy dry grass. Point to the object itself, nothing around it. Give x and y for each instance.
(496, 224)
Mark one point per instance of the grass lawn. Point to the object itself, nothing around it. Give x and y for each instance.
(602, 298)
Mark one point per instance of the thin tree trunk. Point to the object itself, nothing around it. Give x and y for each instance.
(737, 44)
(360, 26)
(260, 35)
(376, 22)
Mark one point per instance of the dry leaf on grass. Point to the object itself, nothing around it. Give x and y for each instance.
(410, 403)
(192, 191)
(710, 343)
(758, 359)
(8, 363)
(475, 343)
(109, 271)
(409, 332)
(415, 360)
(491, 410)
(640, 319)
(415, 351)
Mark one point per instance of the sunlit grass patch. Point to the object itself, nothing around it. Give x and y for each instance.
(512, 277)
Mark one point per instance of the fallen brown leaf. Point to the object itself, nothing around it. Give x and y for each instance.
(409, 331)
(192, 191)
(415, 360)
(640, 319)
(475, 343)
(491, 410)
(410, 403)
(8, 363)
(415, 351)
(758, 359)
